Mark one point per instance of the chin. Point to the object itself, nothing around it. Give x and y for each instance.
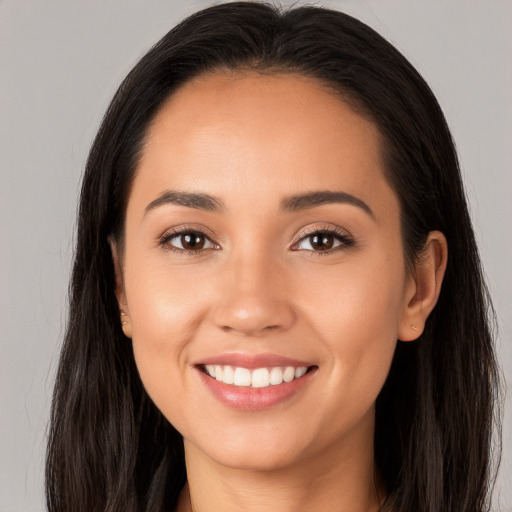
(248, 453)
(257, 461)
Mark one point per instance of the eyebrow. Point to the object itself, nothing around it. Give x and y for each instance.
(293, 203)
(312, 199)
(189, 199)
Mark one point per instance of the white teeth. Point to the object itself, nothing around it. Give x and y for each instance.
(299, 372)
(276, 376)
(289, 374)
(242, 377)
(229, 375)
(259, 378)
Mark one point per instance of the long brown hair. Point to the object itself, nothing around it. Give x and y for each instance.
(110, 449)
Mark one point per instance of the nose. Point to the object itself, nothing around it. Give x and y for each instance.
(254, 298)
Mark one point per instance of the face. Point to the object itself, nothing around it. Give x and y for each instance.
(263, 275)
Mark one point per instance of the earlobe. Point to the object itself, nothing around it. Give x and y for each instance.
(424, 287)
(120, 293)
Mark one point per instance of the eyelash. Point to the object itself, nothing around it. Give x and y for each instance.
(345, 239)
(169, 235)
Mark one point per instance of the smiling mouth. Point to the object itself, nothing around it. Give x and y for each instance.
(257, 378)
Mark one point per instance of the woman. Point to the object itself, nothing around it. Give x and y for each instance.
(277, 298)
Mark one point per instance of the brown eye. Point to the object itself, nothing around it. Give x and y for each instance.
(322, 241)
(187, 241)
(192, 241)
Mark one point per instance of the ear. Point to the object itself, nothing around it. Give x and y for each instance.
(423, 287)
(120, 293)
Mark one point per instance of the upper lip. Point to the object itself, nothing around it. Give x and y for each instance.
(252, 361)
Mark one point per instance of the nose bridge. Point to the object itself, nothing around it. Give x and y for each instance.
(253, 297)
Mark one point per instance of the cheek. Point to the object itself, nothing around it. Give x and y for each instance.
(165, 308)
(356, 316)
(161, 300)
(360, 298)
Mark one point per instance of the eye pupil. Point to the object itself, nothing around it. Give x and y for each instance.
(322, 241)
(192, 241)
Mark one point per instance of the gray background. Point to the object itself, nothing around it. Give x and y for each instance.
(60, 62)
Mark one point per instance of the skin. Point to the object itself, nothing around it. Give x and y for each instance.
(261, 287)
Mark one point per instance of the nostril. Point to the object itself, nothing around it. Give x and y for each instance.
(252, 314)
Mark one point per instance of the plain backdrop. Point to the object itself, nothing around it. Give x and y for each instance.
(60, 63)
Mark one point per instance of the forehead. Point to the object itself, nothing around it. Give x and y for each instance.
(267, 134)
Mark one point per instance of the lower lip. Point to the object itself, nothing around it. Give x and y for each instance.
(255, 399)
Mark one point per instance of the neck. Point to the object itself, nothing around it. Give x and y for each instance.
(342, 479)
